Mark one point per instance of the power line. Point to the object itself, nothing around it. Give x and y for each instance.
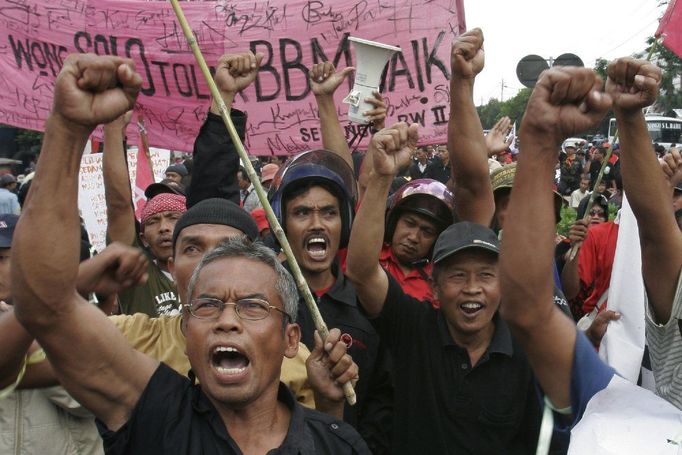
(635, 35)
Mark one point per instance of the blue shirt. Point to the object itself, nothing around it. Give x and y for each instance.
(9, 202)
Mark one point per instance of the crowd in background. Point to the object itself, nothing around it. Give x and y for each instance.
(464, 321)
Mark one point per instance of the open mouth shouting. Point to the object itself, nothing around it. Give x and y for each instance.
(230, 363)
(317, 246)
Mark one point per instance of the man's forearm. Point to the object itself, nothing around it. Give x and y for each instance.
(643, 179)
(118, 196)
(570, 279)
(651, 200)
(333, 138)
(35, 296)
(368, 229)
(531, 253)
(468, 154)
(365, 244)
(216, 160)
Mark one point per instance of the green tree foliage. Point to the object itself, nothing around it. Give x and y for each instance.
(600, 67)
(513, 108)
(29, 138)
(489, 113)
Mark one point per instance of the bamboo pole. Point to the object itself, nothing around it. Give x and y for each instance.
(262, 196)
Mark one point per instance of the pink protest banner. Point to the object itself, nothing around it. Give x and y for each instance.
(37, 35)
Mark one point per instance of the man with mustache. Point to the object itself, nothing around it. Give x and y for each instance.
(238, 323)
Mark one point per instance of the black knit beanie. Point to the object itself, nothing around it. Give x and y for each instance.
(217, 211)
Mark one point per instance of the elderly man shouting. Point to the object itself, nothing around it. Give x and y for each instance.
(238, 323)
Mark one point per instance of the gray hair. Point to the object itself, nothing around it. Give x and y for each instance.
(242, 247)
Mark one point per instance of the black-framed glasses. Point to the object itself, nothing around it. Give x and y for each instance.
(597, 213)
(249, 309)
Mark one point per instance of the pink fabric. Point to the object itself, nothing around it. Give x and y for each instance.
(671, 27)
(292, 34)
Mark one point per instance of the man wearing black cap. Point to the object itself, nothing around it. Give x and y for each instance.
(176, 172)
(464, 384)
(164, 186)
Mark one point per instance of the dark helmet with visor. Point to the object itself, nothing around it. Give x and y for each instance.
(316, 166)
(426, 197)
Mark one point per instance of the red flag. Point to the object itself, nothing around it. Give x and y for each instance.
(670, 28)
(144, 171)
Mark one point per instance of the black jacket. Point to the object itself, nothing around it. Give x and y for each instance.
(216, 160)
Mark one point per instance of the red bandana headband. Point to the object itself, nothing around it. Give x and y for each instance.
(164, 202)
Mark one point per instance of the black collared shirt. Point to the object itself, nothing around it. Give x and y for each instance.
(339, 309)
(175, 417)
(436, 170)
(445, 405)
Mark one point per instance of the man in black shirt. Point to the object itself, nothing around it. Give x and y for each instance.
(238, 325)
(464, 386)
(439, 168)
(314, 200)
(420, 165)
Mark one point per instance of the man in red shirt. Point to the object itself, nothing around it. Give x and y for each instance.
(417, 213)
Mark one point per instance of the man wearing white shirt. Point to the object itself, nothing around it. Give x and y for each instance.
(580, 193)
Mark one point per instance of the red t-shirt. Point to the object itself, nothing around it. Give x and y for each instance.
(413, 284)
(596, 262)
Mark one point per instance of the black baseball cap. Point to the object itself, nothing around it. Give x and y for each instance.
(164, 186)
(7, 224)
(463, 235)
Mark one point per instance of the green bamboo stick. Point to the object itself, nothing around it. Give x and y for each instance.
(262, 196)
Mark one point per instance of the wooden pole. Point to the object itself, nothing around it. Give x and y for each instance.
(262, 196)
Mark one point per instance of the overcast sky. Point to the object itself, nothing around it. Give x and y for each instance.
(587, 28)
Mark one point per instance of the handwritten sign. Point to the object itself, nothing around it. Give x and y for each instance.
(36, 36)
(91, 202)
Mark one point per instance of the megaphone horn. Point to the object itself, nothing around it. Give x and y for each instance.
(371, 58)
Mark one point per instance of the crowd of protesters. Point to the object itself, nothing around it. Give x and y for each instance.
(463, 321)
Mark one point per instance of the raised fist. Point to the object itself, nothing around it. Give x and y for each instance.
(467, 57)
(324, 79)
(565, 101)
(391, 148)
(633, 84)
(93, 89)
(235, 72)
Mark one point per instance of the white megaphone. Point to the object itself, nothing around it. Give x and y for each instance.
(371, 58)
